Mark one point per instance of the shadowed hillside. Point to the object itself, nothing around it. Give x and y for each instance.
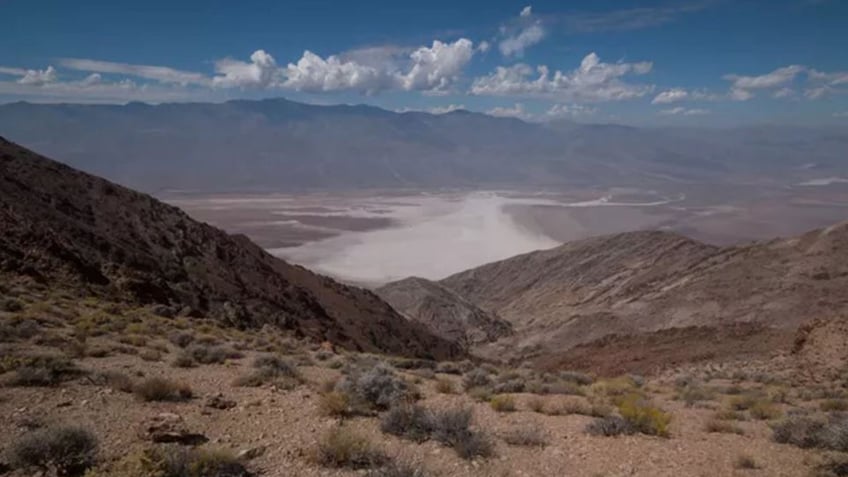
(73, 230)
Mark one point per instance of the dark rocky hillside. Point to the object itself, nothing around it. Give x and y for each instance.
(443, 311)
(69, 229)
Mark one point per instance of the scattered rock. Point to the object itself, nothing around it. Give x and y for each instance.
(218, 401)
(164, 311)
(168, 428)
(251, 453)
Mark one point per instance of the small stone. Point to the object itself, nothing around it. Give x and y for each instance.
(251, 453)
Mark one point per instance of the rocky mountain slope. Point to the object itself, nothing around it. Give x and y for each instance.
(444, 312)
(72, 230)
(642, 282)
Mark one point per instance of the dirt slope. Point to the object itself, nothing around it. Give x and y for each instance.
(642, 282)
(70, 229)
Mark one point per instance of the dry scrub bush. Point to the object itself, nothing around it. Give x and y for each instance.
(503, 403)
(342, 447)
(67, 451)
(271, 369)
(527, 435)
(724, 427)
(161, 389)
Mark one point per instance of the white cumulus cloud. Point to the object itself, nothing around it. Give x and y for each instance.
(593, 80)
(522, 34)
(428, 69)
(161, 74)
(671, 96)
(516, 111)
(681, 111)
(260, 72)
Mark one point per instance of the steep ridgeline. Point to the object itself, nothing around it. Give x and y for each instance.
(643, 282)
(444, 312)
(66, 228)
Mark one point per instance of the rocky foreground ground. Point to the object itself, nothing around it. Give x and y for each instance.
(96, 388)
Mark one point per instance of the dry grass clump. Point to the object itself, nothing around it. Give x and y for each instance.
(181, 338)
(175, 461)
(64, 450)
(161, 389)
(834, 405)
(271, 369)
(724, 427)
(39, 370)
(745, 461)
(730, 415)
(764, 410)
(480, 393)
(113, 379)
(503, 403)
(812, 432)
(203, 354)
(18, 330)
(694, 393)
(527, 435)
(476, 378)
(451, 427)
(342, 447)
(576, 377)
(395, 469)
(609, 426)
(409, 421)
(445, 386)
(150, 355)
(536, 404)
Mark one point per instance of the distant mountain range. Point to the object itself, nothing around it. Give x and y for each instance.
(284, 145)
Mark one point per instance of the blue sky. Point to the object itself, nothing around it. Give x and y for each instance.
(699, 62)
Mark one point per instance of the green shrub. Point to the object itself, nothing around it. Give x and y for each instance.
(68, 451)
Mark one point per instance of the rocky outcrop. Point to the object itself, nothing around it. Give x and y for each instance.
(444, 312)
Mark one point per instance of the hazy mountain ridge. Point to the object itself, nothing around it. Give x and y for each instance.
(71, 230)
(280, 144)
